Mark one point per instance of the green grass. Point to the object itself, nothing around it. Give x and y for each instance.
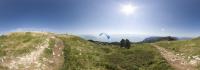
(80, 54)
(48, 52)
(140, 57)
(19, 43)
(186, 47)
(83, 55)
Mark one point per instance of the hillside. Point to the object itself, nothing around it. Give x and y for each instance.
(186, 49)
(48, 51)
(157, 39)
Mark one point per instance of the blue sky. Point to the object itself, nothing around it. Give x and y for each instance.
(152, 17)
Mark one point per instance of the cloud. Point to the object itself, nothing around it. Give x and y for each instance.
(29, 30)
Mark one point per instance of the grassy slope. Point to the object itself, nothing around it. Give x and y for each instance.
(188, 49)
(19, 43)
(84, 55)
(80, 54)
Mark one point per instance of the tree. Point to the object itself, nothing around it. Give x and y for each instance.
(171, 38)
(122, 43)
(125, 43)
(128, 44)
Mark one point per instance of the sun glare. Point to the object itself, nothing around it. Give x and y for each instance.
(128, 9)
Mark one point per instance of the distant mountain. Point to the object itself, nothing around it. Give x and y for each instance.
(131, 37)
(185, 38)
(156, 39)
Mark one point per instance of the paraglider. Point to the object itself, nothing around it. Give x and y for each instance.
(104, 34)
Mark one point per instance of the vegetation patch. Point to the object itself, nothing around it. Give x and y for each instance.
(48, 52)
(187, 49)
(140, 57)
(19, 43)
(82, 55)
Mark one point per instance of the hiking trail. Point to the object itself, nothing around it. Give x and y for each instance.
(177, 62)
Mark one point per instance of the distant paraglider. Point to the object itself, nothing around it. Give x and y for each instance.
(104, 34)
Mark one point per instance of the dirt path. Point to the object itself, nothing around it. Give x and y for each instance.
(175, 61)
(58, 54)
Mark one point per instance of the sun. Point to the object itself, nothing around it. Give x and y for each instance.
(128, 9)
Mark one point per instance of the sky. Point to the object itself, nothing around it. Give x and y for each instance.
(147, 17)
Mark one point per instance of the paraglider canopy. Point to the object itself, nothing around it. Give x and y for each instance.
(104, 34)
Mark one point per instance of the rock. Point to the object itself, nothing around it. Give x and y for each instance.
(193, 62)
(53, 53)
